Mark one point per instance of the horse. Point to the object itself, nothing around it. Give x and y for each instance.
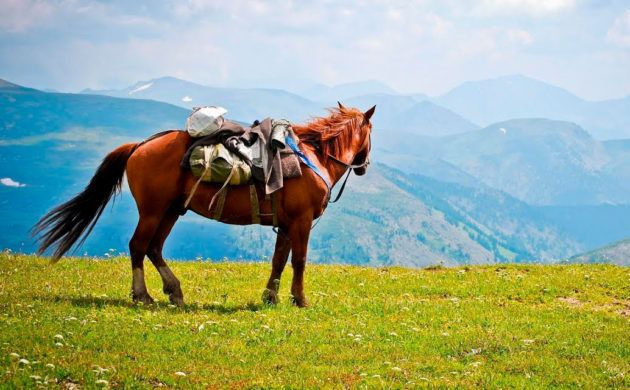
(335, 144)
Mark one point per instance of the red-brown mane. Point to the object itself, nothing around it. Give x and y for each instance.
(333, 133)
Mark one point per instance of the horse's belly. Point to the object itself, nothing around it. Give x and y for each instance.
(237, 207)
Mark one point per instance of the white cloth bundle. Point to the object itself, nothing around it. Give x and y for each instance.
(205, 121)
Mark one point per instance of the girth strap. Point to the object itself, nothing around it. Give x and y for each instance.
(218, 210)
(274, 209)
(253, 199)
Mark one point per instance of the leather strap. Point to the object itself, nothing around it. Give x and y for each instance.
(343, 186)
(220, 204)
(253, 200)
(274, 209)
(223, 187)
(194, 189)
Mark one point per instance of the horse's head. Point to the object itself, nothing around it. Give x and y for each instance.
(343, 136)
(363, 141)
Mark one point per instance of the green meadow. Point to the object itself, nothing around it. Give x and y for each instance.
(73, 325)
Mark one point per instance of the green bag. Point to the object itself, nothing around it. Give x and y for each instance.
(216, 164)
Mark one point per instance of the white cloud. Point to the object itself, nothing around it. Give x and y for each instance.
(187, 99)
(521, 37)
(7, 181)
(529, 7)
(19, 15)
(424, 45)
(619, 32)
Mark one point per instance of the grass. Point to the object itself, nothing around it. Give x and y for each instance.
(483, 326)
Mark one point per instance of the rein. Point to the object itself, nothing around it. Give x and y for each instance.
(350, 167)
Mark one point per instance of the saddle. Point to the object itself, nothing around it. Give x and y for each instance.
(256, 155)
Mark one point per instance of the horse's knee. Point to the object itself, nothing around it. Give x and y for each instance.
(154, 254)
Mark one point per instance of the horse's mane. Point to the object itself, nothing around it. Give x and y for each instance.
(333, 133)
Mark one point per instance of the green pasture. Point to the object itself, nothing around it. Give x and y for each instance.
(72, 324)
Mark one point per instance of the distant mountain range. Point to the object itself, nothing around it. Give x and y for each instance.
(467, 107)
(246, 104)
(467, 197)
(504, 98)
(539, 161)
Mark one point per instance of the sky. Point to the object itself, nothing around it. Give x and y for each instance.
(424, 46)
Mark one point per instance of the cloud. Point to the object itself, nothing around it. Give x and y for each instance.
(7, 181)
(20, 15)
(619, 32)
(425, 45)
(521, 37)
(529, 7)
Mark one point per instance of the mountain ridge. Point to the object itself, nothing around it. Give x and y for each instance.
(517, 96)
(386, 217)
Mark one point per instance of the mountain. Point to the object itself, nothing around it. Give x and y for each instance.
(616, 253)
(539, 161)
(246, 104)
(593, 226)
(52, 142)
(398, 114)
(395, 112)
(26, 112)
(388, 217)
(449, 202)
(494, 100)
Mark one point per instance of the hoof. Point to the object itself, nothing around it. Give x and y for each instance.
(299, 301)
(175, 295)
(270, 297)
(175, 300)
(142, 298)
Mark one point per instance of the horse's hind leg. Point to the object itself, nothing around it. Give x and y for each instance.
(280, 257)
(170, 284)
(147, 225)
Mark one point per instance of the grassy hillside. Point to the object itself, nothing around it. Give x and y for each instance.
(490, 326)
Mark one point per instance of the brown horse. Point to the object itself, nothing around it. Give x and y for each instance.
(160, 187)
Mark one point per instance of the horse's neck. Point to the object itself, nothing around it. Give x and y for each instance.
(334, 169)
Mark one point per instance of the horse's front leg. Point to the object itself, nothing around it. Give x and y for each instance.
(280, 257)
(299, 233)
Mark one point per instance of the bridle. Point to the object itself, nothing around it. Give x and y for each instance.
(350, 167)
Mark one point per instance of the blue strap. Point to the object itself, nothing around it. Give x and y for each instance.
(306, 161)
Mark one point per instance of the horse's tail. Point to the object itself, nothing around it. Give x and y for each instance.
(67, 223)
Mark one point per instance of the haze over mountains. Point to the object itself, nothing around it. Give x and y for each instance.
(450, 185)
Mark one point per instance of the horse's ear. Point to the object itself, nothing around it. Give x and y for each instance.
(341, 107)
(368, 114)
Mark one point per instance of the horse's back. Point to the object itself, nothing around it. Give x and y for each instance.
(153, 170)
